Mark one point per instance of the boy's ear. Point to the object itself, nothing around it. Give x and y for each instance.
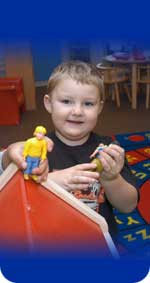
(101, 105)
(47, 103)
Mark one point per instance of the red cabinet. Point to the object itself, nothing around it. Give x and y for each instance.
(12, 101)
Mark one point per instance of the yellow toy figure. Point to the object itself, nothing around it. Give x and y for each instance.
(35, 150)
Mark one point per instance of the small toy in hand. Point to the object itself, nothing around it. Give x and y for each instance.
(96, 155)
(96, 160)
(35, 150)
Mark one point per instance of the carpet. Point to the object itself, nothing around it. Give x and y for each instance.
(134, 228)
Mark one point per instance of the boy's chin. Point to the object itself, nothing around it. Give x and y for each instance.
(75, 139)
(72, 136)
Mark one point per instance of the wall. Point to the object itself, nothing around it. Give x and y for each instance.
(46, 56)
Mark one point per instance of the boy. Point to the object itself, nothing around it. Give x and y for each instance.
(74, 100)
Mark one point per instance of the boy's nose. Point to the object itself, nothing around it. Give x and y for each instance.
(77, 109)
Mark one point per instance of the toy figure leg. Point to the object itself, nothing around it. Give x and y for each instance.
(32, 162)
(35, 163)
(28, 170)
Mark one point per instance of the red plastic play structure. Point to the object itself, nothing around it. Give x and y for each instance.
(12, 101)
(46, 217)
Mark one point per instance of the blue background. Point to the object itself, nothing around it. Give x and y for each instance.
(74, 20)
(69, 268)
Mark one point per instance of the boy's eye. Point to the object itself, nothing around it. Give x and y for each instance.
(89, 103)
(66, 101)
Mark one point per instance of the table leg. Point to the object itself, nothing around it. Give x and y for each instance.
(134, 87)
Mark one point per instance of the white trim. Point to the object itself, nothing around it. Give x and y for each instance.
(1, 158)
(111, 246)
(4, 279)
(8, 173)
(84, 209)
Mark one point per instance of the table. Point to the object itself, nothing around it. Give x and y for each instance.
(133, 63)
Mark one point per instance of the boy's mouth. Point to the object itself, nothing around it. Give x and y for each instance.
(75, 122)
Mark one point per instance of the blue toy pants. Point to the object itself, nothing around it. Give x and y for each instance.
(32, 162)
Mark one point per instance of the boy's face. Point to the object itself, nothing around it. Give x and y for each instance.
(74, 108)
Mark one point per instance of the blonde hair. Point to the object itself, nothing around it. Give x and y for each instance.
(40, 129)
(79, 71)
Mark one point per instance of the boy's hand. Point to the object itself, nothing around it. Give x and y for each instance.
(112, 159)
(41, 171)
(14, 154)
(77, 177)
(98, 150)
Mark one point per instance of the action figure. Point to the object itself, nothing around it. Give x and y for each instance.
(35, 150)
(96, 156)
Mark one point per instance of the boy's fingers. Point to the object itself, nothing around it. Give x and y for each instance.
(23, 164)
(82, 180)
(86, 166)
(116, 148)
(20, 163)
(43, 167)
(50, 144)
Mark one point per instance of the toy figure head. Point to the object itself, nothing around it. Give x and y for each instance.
(40, 132)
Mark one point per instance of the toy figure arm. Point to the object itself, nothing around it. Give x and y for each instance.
(44, 150)
(26, 148)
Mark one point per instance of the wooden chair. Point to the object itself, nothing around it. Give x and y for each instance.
(115, 77)
(143, 78)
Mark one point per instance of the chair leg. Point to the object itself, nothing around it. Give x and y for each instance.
(127, 92)
(112, 93)
(106, 92)
(147, 95)
(117, 94)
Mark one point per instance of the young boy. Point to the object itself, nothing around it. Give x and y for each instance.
(75, 101)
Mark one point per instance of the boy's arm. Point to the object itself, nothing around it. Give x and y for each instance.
(121, 194)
